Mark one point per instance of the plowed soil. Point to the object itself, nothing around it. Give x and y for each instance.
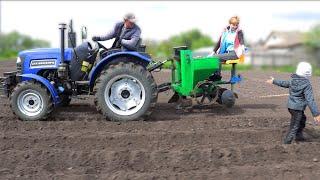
(244, 142)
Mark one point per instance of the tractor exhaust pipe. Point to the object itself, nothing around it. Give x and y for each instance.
(62, 28)
(63, 67)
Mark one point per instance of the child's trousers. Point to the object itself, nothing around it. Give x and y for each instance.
(297, 124)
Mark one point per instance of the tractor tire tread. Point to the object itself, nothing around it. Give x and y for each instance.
(34, 83)
(135, 67)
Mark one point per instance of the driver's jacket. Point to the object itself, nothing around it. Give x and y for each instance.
(126, 39)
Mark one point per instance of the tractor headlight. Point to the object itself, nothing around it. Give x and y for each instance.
(18, 63)
(18, 60)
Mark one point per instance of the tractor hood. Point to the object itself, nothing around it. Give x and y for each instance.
(46, 53)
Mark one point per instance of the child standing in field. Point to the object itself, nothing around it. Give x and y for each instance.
(300, 96)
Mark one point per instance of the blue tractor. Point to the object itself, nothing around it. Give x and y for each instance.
(121, 82)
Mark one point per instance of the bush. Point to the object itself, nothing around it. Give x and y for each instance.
(194, 39)
(312, 38)
(290, 69)
(14, 42)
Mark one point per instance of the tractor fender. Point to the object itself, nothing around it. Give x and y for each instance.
(45, 82)
(100, 66)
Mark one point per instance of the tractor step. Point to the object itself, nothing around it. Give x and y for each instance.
(82, 83)
(81, 97)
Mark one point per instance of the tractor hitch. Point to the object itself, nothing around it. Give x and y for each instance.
(3, 86)
(157, 65)
(164, 87)
(7, 82)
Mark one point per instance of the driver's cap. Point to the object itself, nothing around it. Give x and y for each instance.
(130, 17)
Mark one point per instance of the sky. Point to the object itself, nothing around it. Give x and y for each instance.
(158, 19)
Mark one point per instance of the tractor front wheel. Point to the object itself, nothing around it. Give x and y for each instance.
(31, 101)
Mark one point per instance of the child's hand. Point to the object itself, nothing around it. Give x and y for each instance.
(270, 81)
(317, 119)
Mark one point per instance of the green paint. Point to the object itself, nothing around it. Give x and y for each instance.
(188, 71)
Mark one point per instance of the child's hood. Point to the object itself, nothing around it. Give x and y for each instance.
(299, 82)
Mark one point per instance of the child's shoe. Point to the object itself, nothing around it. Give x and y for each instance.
(300, 137)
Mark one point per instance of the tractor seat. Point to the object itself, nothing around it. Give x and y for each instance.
(141, 48)
(108, 52)
(235, 61)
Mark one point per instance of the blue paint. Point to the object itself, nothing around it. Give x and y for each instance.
(97, 69)
(235, 79)
(45, 82)
(43, 54)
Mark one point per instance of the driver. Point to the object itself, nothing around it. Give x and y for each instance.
(126, 34)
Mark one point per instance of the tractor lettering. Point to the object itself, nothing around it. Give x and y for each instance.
(43, 63)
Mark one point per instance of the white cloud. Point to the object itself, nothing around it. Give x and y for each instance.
(158, 19)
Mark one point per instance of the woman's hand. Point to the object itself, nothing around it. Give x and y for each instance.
(270, 81)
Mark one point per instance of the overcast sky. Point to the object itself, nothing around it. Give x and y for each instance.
(158, 20)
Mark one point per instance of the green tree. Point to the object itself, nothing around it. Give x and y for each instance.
(13, 42)
(194, 39)
(312, 43)
(312, 38)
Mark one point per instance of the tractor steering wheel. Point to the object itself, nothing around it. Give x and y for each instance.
(101, 46)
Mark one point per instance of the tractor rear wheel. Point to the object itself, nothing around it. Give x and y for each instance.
(31, 101)
(125, 91)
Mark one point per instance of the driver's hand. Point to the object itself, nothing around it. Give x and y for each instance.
(95, 38)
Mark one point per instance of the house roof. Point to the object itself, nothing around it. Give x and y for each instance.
(280, 39)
